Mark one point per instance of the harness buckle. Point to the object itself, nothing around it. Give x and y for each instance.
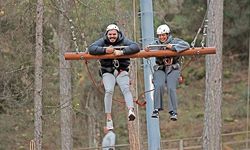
(168, 61)
(116, 63)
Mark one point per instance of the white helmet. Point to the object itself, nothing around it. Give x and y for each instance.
(163, 29)
(112, 27)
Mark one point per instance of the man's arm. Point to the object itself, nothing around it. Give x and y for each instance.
(96, 48)
(179, 45)
(132, 48)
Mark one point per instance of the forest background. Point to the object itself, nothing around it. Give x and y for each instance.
(90, 18)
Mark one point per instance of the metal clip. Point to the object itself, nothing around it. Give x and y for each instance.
(73, 35)
(204, 34)
(116, 63)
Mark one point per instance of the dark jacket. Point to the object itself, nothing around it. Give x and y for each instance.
(97, 48)
(178, 45)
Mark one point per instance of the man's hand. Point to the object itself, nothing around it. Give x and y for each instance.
(110, 50)
(147, 49)
(169, 46)
(118, 52)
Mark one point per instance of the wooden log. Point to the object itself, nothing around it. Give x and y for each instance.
(141, 54)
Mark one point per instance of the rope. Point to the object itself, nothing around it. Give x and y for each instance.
(143, 103)
(91, 77)
(187, 64)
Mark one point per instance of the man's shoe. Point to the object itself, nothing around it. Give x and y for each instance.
(173, 116)
(155, 114)
(131, 115)
(109, 125)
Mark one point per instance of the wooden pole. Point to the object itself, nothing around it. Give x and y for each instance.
(141, 54)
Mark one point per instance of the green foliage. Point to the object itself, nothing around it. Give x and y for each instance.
(16, 69)
(241, 108)
(227, 74)
(236, 26)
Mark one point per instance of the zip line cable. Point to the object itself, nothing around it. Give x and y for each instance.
(204, 25)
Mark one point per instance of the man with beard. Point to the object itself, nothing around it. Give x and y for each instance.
(115, 70)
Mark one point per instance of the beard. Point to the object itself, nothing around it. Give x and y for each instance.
(112, 40)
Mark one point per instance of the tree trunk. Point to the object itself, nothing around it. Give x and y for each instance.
(65, 79)
(213, 94)
(133, 126)
(38, 76)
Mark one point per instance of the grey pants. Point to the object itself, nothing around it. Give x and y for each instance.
(109, 81)
(161, 79)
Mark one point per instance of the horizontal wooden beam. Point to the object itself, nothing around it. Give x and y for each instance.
(141, 54)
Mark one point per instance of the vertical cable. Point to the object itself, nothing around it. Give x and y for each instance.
(248, 92)
(134, 18)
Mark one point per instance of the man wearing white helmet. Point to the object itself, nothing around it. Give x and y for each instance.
(115, 70)
(167, 71)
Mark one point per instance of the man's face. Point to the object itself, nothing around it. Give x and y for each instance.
(163, 37)
(112, 35)
(105, 129)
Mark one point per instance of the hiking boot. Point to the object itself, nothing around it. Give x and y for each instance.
(131, 115)
(155, 114)
(109, 125)
(173, 116)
